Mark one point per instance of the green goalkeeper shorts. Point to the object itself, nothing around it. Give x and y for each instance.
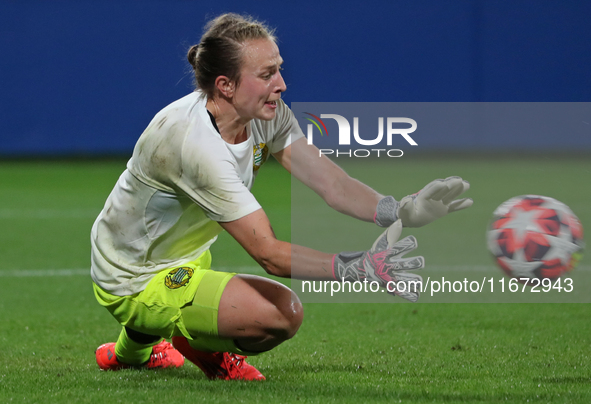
(180, 301)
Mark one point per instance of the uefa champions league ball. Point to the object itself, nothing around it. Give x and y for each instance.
(534, 236)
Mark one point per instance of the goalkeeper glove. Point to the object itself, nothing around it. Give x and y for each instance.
(435, 200)
(384, 264)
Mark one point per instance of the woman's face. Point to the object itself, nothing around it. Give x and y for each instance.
(261, 83)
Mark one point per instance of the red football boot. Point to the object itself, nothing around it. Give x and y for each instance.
(163, 356)
(218, 365)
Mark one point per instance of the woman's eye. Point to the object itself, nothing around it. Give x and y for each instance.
(269, 75)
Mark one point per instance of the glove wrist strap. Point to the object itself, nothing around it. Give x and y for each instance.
(346, 266)
(386, 212)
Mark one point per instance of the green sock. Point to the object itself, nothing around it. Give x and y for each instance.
(131, 352)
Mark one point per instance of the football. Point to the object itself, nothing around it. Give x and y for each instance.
(533, 236)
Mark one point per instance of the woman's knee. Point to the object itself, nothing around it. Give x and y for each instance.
(284, 311)
(268, 308)
(294, 314)
(285, 317)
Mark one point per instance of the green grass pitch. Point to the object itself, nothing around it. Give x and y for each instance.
(391, 353)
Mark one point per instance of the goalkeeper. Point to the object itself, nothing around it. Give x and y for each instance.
(189, 178)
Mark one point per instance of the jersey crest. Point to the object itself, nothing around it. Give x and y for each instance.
(260, 152)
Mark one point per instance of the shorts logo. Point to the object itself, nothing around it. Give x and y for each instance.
(178, 277)
(260, 152)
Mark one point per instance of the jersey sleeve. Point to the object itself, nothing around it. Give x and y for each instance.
(286, 130)
(210, 178)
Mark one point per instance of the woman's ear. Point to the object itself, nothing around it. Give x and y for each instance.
(225, 86)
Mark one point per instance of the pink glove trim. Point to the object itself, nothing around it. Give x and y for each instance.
(332, 264)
